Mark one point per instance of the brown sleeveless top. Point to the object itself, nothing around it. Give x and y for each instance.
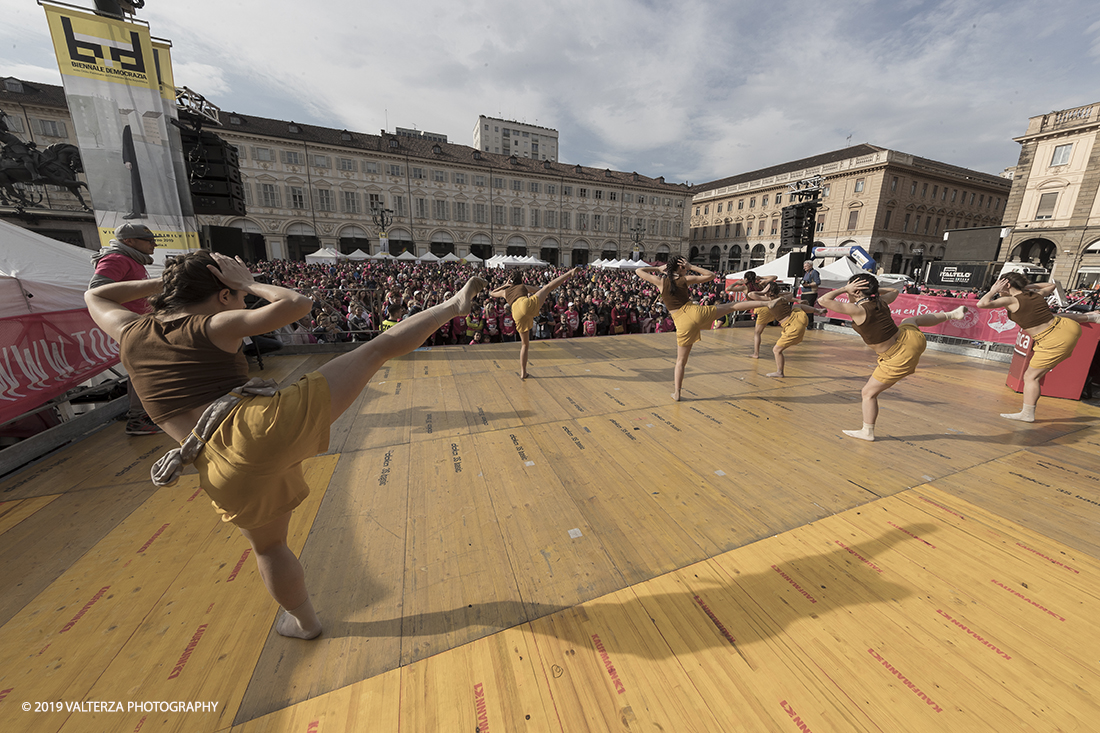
(515, 292)
(175, 367)
(1033, 310)
(674, 297)
(782, 311)
(879, 325)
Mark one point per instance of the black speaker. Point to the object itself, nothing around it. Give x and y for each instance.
(213, 168)
(794, 264)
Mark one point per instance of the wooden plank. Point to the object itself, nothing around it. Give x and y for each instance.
(14, 512)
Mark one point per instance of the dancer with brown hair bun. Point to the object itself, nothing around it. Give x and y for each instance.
(526, 302)
(753, 286)
(793, 319)
(673, 280)
(1054, 336)
(899, 349)
(247, 440)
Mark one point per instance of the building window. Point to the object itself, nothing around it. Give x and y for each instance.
(943, 196)
(1046, 206)
(821, 224)
(927, 223)
(533, 186)
(583, 193)
(740, 204)
(924, 190)
(905, 224)
(752, 202)
(954, 193)
(517, 185)
(826, 190)
(853, 219)
(325, 201)
(351, 202)
(417, 173)
(396, 170)
(937, 229)
(935, 191)
(597, 222)
(972, 199)
(582, 222)
(775, 227)
(374, 200)
(760, 230)
(886, 219)
(535, 218)
(421, 210)
(498, 182)
(320, 161)
(613, 196)
(599, 193)
(270, 195)
(370, 166)
(439, 176)
(262, 154)
(52, 128)
(296, 197)
(706, 210)
(763, 200)
(859, 185)
(498, 215)
(628, 198)
(894, 184)
(566, 190)
(913, 188)
(551, 189)
(1061, 154)
(292, 157)
(565, 220)
(481, 214)
(439, 209)
(346, 164)
(551, 218)
(479, 181)
(462, 211)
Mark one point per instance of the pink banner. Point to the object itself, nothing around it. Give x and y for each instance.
(45, 355)
(979, 324)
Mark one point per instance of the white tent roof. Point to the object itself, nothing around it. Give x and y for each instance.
(429, 257)
(406, 256)
(836, 274)
(509, 262)
(39, 274)
(381, 256)
(473, 258)
(450, 257)
(358, 255)
(777, 267)
(324, 255)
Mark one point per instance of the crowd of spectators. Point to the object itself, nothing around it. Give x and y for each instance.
(354, 301)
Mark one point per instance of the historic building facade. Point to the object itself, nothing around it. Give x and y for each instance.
(1054, 209)
(894, 205)
(508, 137)
(307, 187)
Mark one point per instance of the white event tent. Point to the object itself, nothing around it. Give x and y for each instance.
(39, 274)
(325, 254)
(359, 255)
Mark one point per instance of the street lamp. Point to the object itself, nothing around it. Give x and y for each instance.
(382, 219)
(636, 233)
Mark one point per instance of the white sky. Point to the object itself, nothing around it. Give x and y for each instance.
(693, 90)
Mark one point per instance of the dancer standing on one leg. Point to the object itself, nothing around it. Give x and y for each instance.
(690, 319)
(753, 287)
(186, 363)
(793, 319)
(898, 349)
(1054, 336)
(526, 302)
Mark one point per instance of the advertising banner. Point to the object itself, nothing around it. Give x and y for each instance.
(116, 83)
(45, 355)
(979, 325)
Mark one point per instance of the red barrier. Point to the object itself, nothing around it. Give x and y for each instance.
(1068, 379)
(979, 325)
(45, 355)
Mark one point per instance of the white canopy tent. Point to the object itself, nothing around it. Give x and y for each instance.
(450, 257)
(324, 255)
(473, 259)
(509, 262)
(777, 267)
(39, 274)
(406, 256)
(359, 255)
(429, 257)
(381, 256)
(836, 274)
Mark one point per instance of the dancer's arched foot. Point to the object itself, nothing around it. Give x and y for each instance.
(289, 626)
(464, 298)
(756, 356)
(524, 375)
(777, 375)
(675, 396)
(958, 314)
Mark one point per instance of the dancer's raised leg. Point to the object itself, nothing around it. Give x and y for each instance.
(349, 373)
(553, 285)
(934, 319)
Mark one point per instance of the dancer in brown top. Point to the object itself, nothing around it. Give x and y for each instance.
(1054, 336)
(526, 302)
(793, 319)
(673, 280)
(753, 288)
(186, 355)
(899, 349)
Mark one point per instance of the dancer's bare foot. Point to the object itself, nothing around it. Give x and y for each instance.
(524, 375)
(756, 356)
(675, 396)
(958, 314)
(289, 626)
(777, 375)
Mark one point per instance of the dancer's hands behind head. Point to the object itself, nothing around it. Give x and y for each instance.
(233, 273)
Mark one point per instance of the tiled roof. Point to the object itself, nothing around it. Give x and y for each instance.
(46, 95)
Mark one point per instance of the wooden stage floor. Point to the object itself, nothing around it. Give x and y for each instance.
(578, 553)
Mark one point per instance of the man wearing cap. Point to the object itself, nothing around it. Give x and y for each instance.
(125, 259)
